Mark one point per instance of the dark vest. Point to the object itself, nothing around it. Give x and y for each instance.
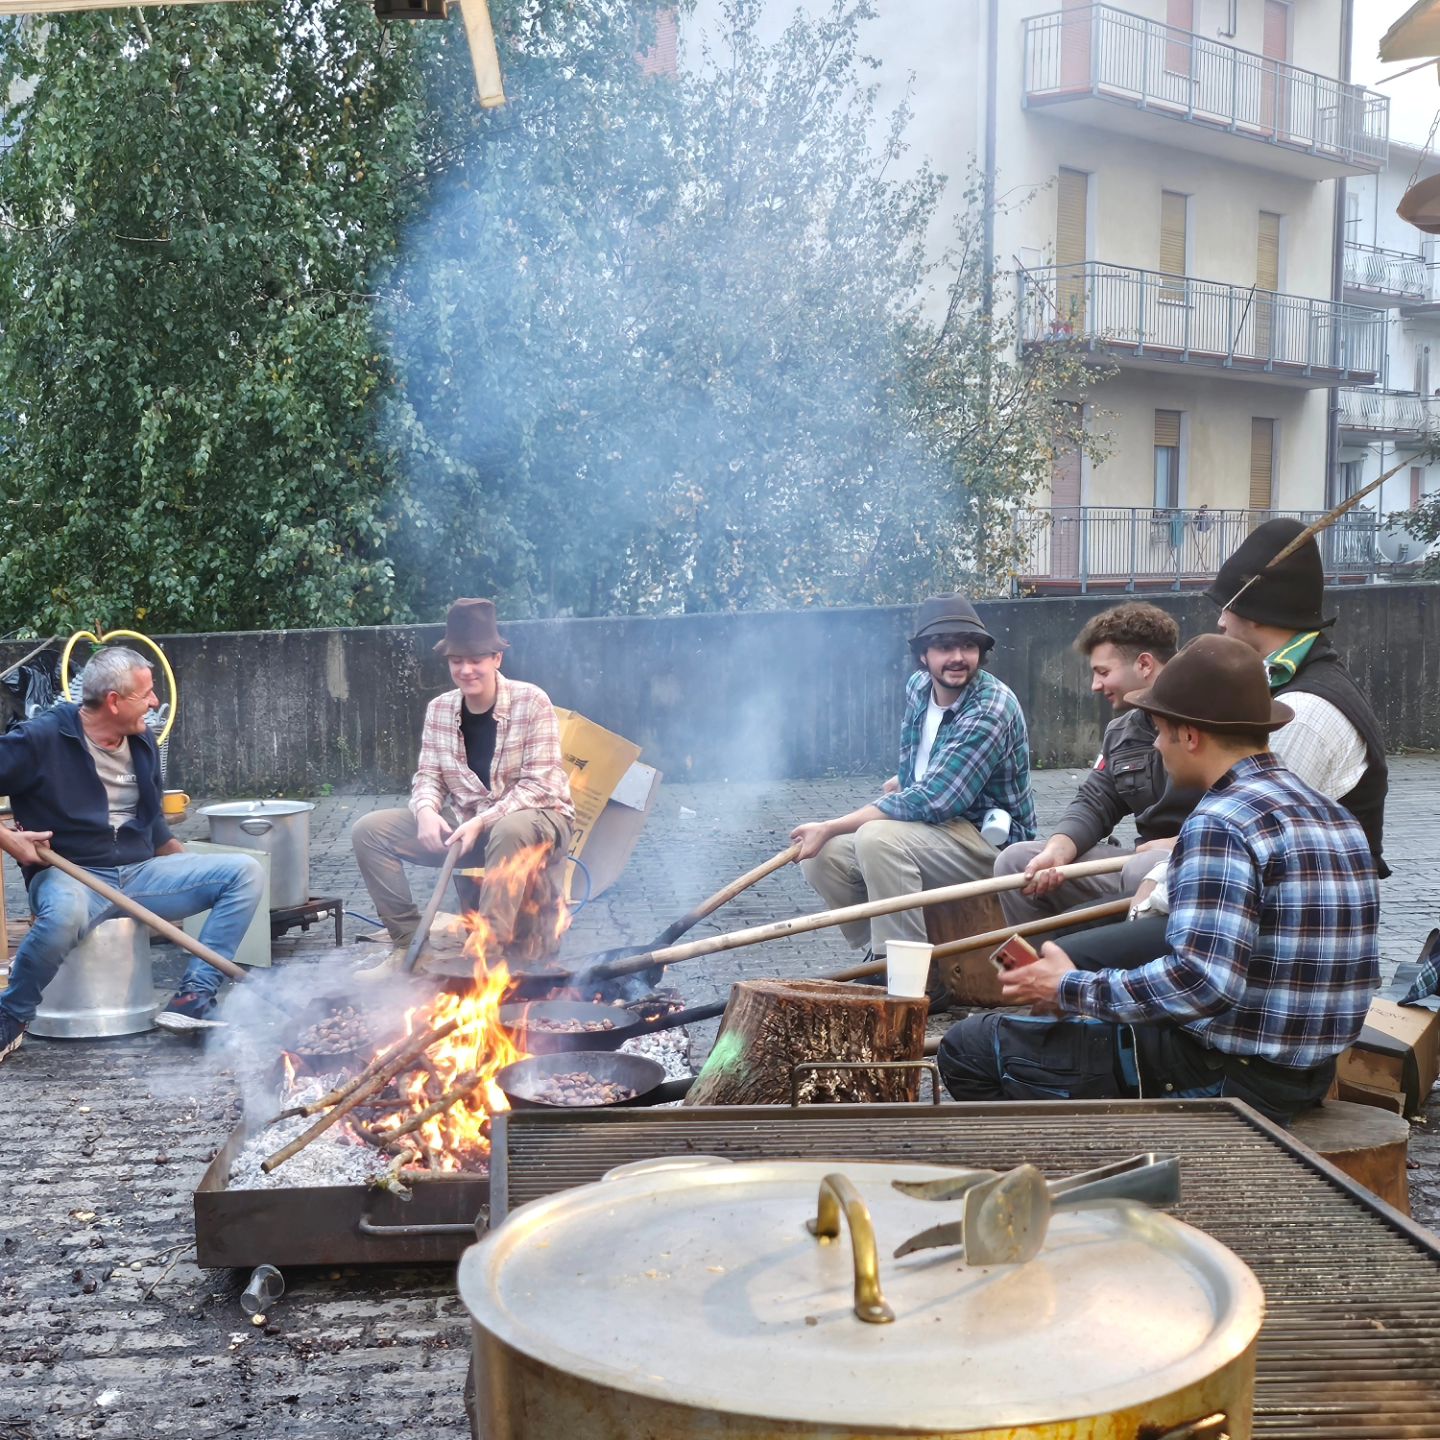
(1324, 674)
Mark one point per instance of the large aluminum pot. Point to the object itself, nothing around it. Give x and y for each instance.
(281, 828)
(690, 1300)
(105, 986)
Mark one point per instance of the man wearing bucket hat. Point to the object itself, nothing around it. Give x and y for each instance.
(964, 754)
(1271, 953)
(489, 779)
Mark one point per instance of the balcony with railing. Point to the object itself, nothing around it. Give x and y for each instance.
(1377, 276)
(1387, 415)
(1065, 549)
(1152, 320)
(1118, 71)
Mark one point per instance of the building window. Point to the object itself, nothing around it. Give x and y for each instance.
(1344, 482)
(1174, 227)
(1167, 459)
(1417, 484)
(1262, 463)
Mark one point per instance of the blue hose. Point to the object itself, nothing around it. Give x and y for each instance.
(578, 905)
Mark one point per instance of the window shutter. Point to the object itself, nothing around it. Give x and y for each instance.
(1167, 429)
(1179, 17)
(1262, 462)
(1070, 217)
(1267, 259)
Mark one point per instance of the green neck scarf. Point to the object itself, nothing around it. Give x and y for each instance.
(1282, 664)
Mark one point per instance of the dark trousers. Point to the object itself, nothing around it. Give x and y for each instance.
(1021, 1057)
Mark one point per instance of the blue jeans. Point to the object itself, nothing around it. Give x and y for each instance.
(173, 886)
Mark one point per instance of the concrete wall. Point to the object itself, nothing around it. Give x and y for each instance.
(745, 697)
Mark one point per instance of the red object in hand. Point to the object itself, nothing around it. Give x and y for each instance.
(1014, 953)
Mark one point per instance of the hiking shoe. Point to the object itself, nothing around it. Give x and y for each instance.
(189, 1012)
(392, 963)
(12, 1034)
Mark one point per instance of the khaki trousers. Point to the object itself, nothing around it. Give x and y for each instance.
(885, 858)
(1093, 890)
(385, 841)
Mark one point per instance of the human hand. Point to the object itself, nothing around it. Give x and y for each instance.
(467, 834)
(432, 828)
(1040, 876)
(891, 785)
(811, 838)
(1166, 845)
(20, 844)
(1038, 983)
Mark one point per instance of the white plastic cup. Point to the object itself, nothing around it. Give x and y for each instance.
(907, 967)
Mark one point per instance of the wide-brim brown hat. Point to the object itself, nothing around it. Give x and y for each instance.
(1214, 683)
(949, 615)
(470, 629)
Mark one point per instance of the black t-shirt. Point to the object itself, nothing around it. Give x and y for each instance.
(479, 733)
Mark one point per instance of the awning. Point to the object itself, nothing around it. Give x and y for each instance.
(1415, 35)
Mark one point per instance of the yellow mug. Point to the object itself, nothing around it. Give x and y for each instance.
(175, 802)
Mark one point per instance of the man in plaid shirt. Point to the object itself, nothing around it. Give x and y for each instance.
(489, 780)
(1272, 954)
(964, 752)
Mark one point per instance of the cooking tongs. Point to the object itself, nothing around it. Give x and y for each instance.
(1006, 1217)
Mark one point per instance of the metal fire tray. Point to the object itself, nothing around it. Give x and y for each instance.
(1350, 1348)
(333, 1224)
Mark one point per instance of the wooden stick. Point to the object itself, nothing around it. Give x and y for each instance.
(421, 937)
(723, 897)
(457, 1092)
(803, 924)
(364, 1092)
(43, 645)
(333, 1097)
(137, 911)
(1108, 910)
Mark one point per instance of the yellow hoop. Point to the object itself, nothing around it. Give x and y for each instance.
(105, 639)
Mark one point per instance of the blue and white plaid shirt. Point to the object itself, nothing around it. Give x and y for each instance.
(980, 759)
(1274, 907)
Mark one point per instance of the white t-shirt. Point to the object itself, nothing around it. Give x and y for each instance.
(934, 714)
(116, 770)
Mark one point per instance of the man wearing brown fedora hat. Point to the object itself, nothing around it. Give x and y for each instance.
(964, 755)
(1271, 953)
(489, 780)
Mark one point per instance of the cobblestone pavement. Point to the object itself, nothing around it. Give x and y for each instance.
(104, 1143)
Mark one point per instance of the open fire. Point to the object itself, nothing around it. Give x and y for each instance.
(426, 1098)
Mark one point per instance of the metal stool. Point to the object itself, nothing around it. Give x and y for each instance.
(105, 986)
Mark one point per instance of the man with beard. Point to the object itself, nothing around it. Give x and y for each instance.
(964, 752)
(1126, 647)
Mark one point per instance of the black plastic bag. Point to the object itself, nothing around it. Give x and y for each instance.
(31, 688)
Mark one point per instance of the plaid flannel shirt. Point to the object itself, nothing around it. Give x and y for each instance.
(981, 758)
(526, 773)
(1274, 908)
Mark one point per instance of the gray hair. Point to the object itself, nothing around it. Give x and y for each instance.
(109, 669)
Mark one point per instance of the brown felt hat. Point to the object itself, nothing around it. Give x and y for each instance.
(470, 629)
(1214, 683)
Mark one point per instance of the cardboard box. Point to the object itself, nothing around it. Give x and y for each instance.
(1396, 1060)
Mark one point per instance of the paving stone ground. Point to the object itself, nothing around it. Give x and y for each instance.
(104, 1142)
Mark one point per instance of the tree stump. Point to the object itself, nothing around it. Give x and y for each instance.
(969, 977)
(771, 1025)
(1368, 1144)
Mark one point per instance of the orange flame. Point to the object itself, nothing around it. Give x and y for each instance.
(480, 1046)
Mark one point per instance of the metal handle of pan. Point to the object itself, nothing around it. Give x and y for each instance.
(676, 1018)
(929, 1066)
(1211, 1427)
(839, 1196)
(257, 827)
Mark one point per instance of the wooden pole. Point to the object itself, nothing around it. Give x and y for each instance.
(803, 924)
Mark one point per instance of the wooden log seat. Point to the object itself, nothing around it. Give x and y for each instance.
(1367, 1143)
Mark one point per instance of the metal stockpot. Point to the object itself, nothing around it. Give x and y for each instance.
(281, 828)
(105, 986)
(690, 1300)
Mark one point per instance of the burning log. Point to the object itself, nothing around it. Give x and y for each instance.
(362, 1090)
(457, 1092)
(771, 1025)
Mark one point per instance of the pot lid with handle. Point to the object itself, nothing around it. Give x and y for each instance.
(702, 1286)
(247, 809)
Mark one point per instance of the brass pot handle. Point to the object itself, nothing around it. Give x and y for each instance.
(836, 1192)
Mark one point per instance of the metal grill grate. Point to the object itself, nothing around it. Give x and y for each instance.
(1350, 1349)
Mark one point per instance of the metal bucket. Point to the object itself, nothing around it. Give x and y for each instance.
(105, 986)
(281, 828)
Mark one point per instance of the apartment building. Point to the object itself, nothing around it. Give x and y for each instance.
(1184, 157)
(1391, 264)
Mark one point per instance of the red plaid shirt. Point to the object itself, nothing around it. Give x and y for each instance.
(526, 773)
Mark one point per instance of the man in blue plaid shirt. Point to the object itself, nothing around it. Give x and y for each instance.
(1272, 954)
(964, 752)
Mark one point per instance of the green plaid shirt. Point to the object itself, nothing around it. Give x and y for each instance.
(981, 758)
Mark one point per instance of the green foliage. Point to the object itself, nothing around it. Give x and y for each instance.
(196, 205)
(677, 345)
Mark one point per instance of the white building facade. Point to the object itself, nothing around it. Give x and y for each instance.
(1186, 159)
